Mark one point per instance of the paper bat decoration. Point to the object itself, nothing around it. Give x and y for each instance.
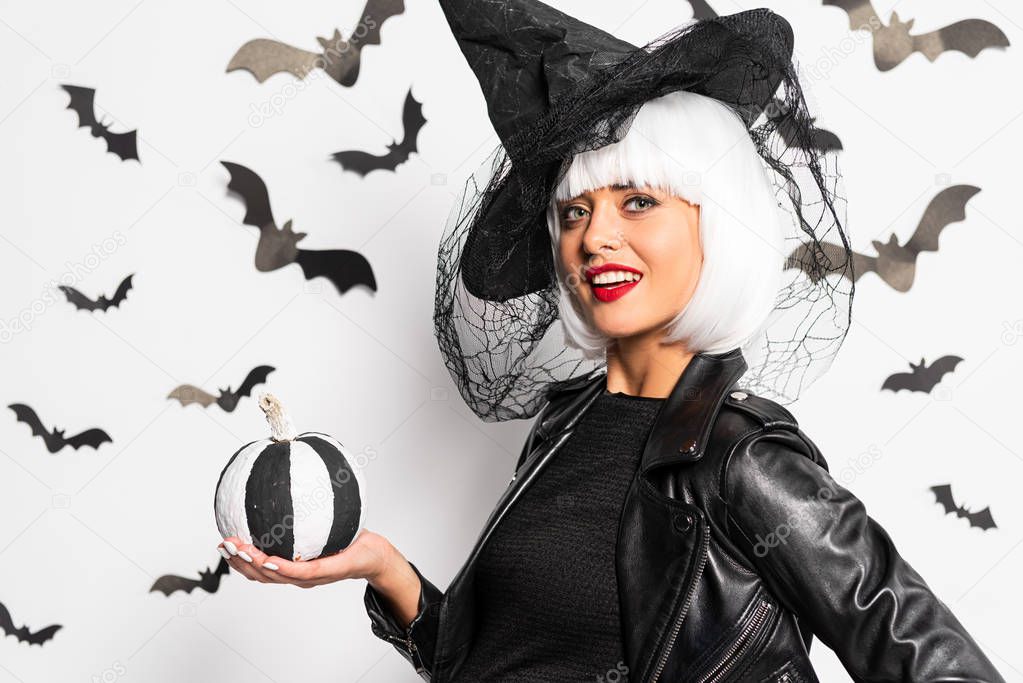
(82, 103)
(397, 152)
(55, 440)
(895, 263)
(209, 580)
(22, 633)
(821, 139)
(279, 246)
(227, 400)
(84, 303)
(340, 58)
(702, 10)
(893, 42)
(982, 518)
(924, 377)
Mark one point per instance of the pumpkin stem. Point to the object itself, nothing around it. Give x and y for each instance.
(281, 428)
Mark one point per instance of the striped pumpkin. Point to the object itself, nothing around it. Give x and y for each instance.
(293, 496)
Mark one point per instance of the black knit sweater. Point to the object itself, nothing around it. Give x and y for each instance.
(546, 588)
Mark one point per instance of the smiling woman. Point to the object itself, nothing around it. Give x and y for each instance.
(709, 123)
(685, 200)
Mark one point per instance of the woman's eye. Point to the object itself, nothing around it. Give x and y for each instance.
(645, 200)
(568, 214)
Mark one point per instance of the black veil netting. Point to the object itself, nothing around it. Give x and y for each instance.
(497, 295)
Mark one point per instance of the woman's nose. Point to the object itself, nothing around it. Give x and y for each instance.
(603, 231)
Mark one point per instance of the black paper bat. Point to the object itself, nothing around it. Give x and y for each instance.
(981, 518)
(820, 139)
(227, 400)
(22, 633)
(209, 580)
(82, 103)
(340, 58)
(924, 377)
(397, 152)
(278, 247)
(893, 42)
(84, 303)
(55, 440)
(895, 263)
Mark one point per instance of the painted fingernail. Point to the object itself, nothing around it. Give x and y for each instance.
(226, 555)
(231, 547)
(244, 555)
(271, 566)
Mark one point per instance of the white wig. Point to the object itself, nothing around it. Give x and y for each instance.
(697, 148)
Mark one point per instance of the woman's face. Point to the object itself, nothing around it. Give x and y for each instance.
(648, 232)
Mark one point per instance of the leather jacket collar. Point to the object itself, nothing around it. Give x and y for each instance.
(681, 428)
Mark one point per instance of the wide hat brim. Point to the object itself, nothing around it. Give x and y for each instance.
(739, 59)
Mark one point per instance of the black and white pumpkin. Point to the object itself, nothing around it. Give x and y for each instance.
(296, 496)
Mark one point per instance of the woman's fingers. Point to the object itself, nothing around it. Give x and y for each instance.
(242, 567)
(253, 563)
(238, 551)
(249, 560)
(308, 570)
(255, 558)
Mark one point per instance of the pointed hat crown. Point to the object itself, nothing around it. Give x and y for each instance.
(526, 54)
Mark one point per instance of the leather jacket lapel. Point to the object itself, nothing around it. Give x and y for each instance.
(682, 427)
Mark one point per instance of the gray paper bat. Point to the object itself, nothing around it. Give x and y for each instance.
(702, 10)
(922, 377)
(340, 58)
(226, 398)
(896, 263)
(893, 42)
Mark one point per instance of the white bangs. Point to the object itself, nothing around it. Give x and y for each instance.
(633, 160)
(673, 141)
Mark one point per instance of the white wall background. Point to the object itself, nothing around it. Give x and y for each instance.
(84, 533)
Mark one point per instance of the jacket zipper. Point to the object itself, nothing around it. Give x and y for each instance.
(740, 645)
(417, 661)
(690, 593)
(409, 645)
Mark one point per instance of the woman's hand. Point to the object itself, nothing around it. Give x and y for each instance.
(369, 556)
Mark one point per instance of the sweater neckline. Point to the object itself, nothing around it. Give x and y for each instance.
(630, 397)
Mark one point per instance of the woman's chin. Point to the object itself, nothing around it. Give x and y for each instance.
(620, 330)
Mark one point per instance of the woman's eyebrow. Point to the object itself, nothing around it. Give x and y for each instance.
(617, 186)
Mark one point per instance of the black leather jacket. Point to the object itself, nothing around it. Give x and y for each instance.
(735, 547)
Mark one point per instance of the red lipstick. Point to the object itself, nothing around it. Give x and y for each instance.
(607, 293)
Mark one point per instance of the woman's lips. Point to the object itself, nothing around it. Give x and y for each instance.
(607, 293)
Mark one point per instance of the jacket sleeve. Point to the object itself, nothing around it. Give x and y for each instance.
(418, 643)
(838, 570)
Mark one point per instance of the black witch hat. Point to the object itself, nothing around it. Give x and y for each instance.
(555, 87)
